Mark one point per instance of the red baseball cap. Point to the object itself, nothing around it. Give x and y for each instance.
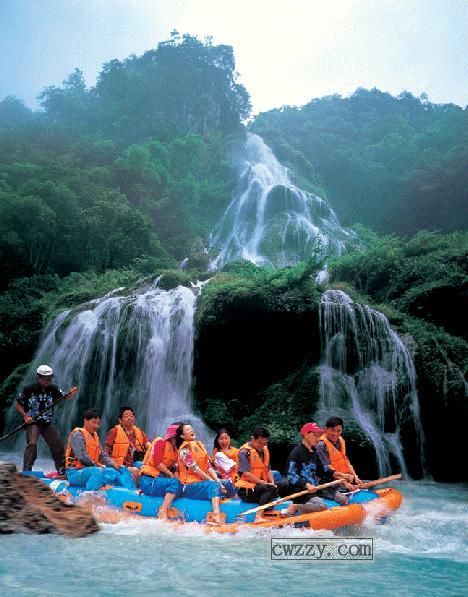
(171, 432)
(308, 427)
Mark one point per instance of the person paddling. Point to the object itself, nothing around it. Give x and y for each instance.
(35, 404)
(256, 483)
(331, 450)
(305, 471)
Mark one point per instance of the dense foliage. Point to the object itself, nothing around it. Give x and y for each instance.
(108, 185)
(256, 337)
(425, 276)
(112, 182)
(397, 164)
(134, 168)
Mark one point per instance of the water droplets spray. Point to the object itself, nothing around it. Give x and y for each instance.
(367, 375)
(270, 221)
(134, 350)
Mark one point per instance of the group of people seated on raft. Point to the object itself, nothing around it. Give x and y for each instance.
(179, 465)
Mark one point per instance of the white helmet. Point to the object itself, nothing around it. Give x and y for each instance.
(45, 370)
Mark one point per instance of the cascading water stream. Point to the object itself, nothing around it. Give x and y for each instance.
(367, 374)
(132, 350)
(270, 221)
(138, 349)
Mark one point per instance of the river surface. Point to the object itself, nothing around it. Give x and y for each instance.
(422, 550)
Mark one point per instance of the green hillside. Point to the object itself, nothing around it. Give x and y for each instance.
(396, 164)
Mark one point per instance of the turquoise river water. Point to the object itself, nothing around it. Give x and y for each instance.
(422, 550)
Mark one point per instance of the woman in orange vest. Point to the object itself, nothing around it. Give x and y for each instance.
(158, 471)
(86, 464)
(331, 449)
(225, 456)
(195, 471)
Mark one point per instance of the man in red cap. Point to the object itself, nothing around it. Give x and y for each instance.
(158, 472)
(305, 471)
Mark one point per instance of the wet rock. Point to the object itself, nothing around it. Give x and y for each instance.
(28, 506)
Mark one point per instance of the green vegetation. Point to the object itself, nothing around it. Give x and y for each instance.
(257, 347)
(245, 286)
(396, 164)
(114, 183)
(425, 276)
(109, 186)
(266, 322)
(421, 284)
(123, 171)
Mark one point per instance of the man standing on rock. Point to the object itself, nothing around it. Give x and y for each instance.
(35, 404)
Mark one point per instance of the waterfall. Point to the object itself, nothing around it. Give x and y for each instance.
(134, 350)
(367, 374)
(270, 221)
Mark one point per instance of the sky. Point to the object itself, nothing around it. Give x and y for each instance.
(287, 52)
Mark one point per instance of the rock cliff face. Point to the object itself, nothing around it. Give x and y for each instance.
(28, 506)
(257, 360)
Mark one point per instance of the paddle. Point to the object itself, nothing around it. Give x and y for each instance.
(289, 497)
(70, 393)
(379, 481)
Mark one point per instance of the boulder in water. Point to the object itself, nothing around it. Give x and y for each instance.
(28, 506)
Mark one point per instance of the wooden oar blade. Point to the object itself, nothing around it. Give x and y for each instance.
(380, 481)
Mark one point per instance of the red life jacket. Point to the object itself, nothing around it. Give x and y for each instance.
(169, 459)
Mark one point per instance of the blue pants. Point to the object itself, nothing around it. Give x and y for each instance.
(231, 491)
(159, 486)
(202, 490)
(94, 477)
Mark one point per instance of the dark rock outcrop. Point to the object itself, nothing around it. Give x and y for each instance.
(28, 506)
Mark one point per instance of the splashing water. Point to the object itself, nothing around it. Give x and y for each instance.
(367, 374)
(134, 350)
(420, 551)
(272, 222)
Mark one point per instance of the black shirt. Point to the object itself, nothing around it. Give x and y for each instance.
(304, 466)
(35, 398)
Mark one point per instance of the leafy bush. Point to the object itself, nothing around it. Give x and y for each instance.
(425, 276)
(247, 286)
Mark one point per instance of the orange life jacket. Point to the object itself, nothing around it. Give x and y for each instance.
(233, 454)
(258, 467)
(122, 443)
(93, 448)
(200, 456)
(338, 459)
(169, 459)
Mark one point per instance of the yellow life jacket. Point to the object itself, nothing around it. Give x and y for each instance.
(338, 460)
(93, 449)
(122, 443)
(169, 459)
(258, 467)
(201, 458)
